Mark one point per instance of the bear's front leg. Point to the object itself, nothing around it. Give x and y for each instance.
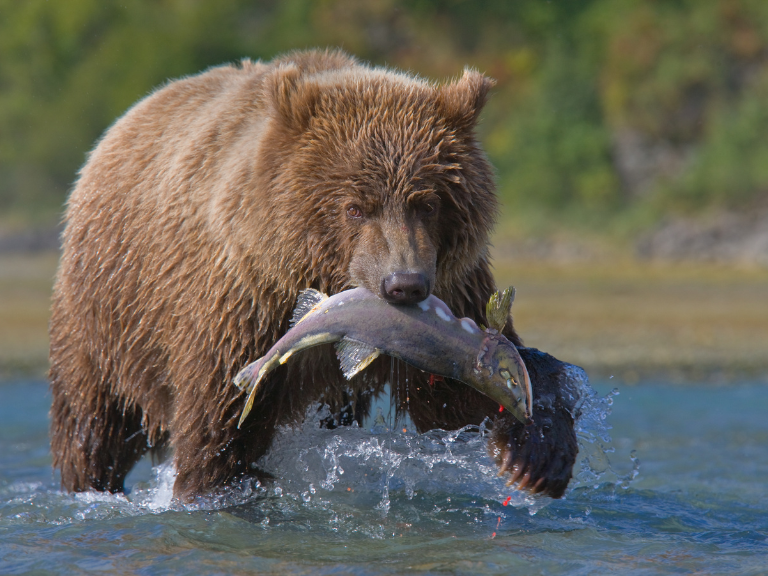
(539, 456)
(210, 451)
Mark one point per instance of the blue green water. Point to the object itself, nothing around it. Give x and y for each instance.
(682, 487)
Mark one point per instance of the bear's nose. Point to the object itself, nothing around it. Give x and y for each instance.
(404, 287)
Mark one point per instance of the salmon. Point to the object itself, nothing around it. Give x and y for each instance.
(426, 335)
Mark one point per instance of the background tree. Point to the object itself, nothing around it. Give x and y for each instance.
(603, 108)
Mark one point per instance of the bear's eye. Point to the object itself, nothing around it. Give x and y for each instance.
(428, 209)
(354, 212)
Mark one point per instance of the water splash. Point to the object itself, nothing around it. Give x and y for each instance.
(380, 464)
(382, 461)
(593, 467)
(156, 495)
(389, 473)
(310, 459)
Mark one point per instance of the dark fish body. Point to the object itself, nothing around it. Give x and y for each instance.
(426, 335)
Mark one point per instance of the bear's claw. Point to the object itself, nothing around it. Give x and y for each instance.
(534, 460)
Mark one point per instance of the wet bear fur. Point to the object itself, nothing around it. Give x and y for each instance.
(206, 209)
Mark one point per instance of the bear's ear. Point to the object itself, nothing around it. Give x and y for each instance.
(460, 102)
(293, 99)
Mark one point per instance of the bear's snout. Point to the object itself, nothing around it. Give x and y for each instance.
(404, 287)
(395, 258)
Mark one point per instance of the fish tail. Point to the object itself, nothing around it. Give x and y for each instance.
(248, 379)
(252, 387)
(247, 408)
(244, 377)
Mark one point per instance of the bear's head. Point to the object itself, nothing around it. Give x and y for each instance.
(378, 177)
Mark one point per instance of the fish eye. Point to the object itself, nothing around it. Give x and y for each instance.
(354, 212)
(511, 382)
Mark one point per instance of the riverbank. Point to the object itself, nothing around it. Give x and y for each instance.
(636, 320)
(25, 292)
(628, 319)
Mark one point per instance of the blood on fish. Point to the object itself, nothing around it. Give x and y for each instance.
(435, 378)
(509, 498)
(501, 408)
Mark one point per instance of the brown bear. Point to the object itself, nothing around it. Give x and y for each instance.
(206, 209)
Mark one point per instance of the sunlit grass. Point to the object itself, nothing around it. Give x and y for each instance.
(25, 292)
(638, 320)
(624, 318)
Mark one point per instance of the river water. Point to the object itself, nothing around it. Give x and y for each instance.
(671, 479)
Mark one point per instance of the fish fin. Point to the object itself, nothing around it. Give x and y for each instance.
(308, 299)
(498, 307)
(355, 356)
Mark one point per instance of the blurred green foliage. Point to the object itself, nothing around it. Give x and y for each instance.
(601, 107)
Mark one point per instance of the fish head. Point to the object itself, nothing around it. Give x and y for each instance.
(501, 375)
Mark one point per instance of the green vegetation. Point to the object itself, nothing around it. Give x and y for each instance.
(606, 112)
